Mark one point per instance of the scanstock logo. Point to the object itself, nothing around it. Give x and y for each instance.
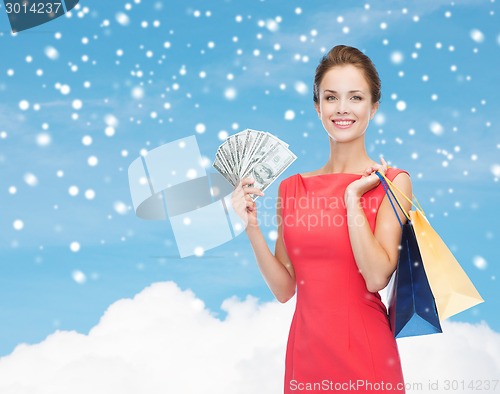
(171, 183)
(25, 14)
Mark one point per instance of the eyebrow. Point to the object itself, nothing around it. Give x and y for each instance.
(350, 91)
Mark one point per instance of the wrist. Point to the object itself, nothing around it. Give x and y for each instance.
(351, 195)
(252, 229)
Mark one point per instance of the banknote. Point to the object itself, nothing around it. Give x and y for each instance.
(253, 153)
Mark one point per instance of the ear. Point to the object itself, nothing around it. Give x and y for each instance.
(318, 109)
(374, 109)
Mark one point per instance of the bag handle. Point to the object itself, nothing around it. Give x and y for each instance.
(388, 189)
(392, 185)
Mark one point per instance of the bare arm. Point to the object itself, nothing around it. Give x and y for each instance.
(376, 254)
(276, 269)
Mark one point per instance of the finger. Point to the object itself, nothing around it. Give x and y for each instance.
(368, 171)
(247, 181)
(238, 187)
(251, 205)
(238, 192)
(253, 190)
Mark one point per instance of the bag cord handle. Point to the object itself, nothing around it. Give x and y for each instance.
(387, 190)
(392, 185)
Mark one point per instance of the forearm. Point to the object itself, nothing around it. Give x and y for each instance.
(372, 260)
(276, 275)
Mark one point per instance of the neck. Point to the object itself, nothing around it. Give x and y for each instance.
(349, 157)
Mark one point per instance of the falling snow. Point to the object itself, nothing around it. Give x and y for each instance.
(79, 277)
(82, 101)
(480, 262)
(401, 105)
(74, 247)
(51, 53)
(397, 57)
(200, 128)
(230, 93)
(43, 139)
(18, 225)
(477, 35)
(289, 115)
(436, 128)
(30, 179)
(120, 207)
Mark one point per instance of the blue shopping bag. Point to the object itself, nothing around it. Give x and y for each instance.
(412, 307)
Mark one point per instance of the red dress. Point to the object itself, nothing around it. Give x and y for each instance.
(340, 339)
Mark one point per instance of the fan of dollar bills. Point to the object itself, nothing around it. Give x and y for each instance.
(256, 154)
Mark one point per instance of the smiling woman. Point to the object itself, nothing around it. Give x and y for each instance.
(346, 92)
(340, 330)
(345, 108)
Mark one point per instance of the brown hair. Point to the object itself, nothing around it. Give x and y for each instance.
(342, 55)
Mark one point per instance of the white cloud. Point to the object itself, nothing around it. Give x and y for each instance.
(463, 353)
(166, 341)
(162, 341)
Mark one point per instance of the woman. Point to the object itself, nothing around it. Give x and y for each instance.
(337, 244)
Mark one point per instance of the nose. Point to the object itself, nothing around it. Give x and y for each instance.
(342, 107)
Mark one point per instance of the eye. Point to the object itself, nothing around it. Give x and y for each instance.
(356, 98)
(330, 98)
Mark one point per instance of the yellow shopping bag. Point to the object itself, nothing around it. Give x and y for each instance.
(452, 288)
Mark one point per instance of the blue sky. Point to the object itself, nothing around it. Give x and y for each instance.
(80, 98)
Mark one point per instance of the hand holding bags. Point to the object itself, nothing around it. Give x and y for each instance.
(450, 285)
(412, 308)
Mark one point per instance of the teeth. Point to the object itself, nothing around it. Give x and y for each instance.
(344, 123)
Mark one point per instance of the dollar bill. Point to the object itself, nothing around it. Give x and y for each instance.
(253, 153)
(253, 137)
(232, 152)
(223, 168)
(270, 167)
(266, 144)
(244, 139)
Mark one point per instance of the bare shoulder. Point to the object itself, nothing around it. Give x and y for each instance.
(402, 183)
(402, 180)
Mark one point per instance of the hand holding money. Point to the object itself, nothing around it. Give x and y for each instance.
(253, 154)
(243, 204)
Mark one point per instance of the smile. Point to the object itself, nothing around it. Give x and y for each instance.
(343, 124)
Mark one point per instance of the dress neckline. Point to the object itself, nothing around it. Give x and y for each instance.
(336, 173)
(327, 173)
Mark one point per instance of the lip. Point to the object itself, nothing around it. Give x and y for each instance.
(343, 120)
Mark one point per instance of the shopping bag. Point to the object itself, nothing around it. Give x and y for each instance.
(453, 290)
(412, 308)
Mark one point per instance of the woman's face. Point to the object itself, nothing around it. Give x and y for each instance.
(345, 104)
